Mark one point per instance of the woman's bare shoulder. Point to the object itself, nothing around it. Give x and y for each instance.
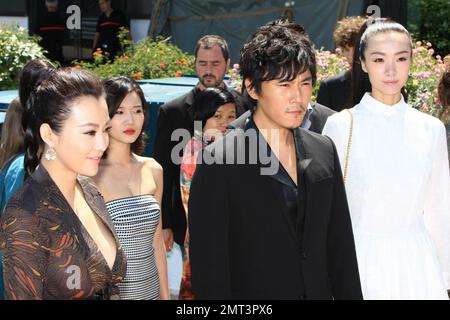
(150, 163)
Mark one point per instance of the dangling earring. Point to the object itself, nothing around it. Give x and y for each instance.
(50, 154)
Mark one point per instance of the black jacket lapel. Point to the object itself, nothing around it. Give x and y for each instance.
(302, 164)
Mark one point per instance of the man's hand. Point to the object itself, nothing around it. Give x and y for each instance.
(168, 239)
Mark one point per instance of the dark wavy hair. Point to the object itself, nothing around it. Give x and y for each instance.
(51, 102)
(116, 90)
(278, 50)
(346, 31)
(208, 101)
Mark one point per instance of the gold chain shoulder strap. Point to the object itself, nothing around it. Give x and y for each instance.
(349, 144)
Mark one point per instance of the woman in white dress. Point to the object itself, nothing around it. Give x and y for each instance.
(396, 169)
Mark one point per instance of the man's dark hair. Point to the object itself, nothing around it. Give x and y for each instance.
(287, 24)
(278, 50)
(209, 41)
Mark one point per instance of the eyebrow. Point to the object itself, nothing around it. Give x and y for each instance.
(383, 54)
(306, 79)
(136, 106)
(91, 124)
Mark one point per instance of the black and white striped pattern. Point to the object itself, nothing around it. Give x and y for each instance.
(135, 219)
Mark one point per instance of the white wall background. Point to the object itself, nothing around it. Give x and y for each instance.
(139, 28)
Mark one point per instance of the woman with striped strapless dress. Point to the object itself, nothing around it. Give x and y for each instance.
(136, 219)
(132, 188)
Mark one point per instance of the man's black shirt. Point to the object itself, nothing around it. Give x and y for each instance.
(108, 28)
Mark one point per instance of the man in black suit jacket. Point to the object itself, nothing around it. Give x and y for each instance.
(212, 62)
(268, 214)
(336, 92)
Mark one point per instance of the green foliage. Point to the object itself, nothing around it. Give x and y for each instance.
(430, 19)
(17, 48)
(147, 59)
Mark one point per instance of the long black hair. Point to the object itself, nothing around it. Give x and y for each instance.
(360, 79)
(50, 102)
(116, 90)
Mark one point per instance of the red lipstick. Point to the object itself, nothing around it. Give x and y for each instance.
(129, 132)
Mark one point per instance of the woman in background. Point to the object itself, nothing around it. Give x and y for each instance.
(132, 186)
(11, 150)
(11, 147)
(214, 108)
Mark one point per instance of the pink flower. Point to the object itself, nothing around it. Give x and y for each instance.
(429, 44)
(419, 43)
(431, 52)
(423, 75)
(425, 107)
(338, 50)
(235, 66)
(438, 57)
(423, 96)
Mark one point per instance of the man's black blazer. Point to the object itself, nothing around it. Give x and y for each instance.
(335, 92)
(243, 244)
(177, 114)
